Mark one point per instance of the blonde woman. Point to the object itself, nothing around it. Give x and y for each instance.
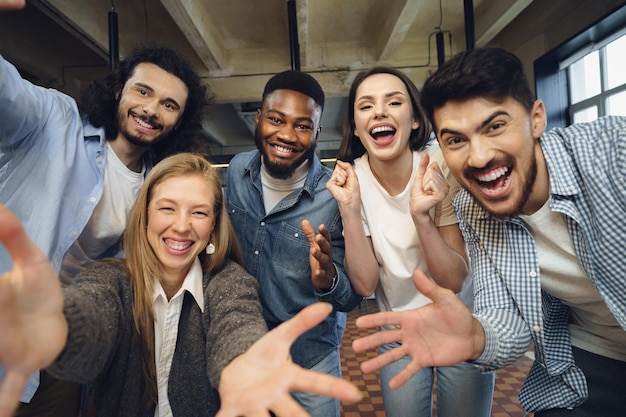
(161, 331)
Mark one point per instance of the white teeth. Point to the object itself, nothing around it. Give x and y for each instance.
(495, 190)
(381, 129)
(142, 123)
(177, 247)
(493, 175)
(282, 149)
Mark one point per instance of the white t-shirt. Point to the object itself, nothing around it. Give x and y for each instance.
(387, 220)
(108, 220)
(592, 326)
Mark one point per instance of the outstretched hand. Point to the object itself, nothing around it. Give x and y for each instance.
(261, 380)
(12, 4)
(441, 333)
(32, 324)
(320, 255)
(430, 187)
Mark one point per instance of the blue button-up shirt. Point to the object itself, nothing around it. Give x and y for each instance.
(276, 251)
(587, 167)
(51, 168)
(51, 164)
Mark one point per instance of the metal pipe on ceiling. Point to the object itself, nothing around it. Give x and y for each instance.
(294, 45)
(114, 50)
(470, 32)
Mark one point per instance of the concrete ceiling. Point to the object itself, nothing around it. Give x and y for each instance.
(237, 45)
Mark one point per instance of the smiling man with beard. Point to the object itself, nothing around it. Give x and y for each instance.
(543, 216)
(275, 195)
(71, 175)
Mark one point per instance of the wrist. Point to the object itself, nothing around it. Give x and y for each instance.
(333, 284)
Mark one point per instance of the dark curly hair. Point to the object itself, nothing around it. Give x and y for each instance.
(100, 105)
(351, 146)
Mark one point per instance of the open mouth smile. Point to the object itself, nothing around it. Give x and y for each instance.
(494, 181)
(178, 245)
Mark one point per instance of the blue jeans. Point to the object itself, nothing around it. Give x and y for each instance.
(461, 390)
(316, 405)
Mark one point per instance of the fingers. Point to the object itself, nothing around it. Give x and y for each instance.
(12, 4)
(404, 375)
(308, 230)
(320, 242)
(385, 318)
(11, 388)
(323, 230)
(340, 173)
(15, 239)
(386, 358)
(326, 385)
(434, 182)
(306, 319)
(421, 169)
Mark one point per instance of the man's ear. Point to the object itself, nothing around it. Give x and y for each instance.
(317, 132)
(538, 118)
(257, 117)
(117, 91)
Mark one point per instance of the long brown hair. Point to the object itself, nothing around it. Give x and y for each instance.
(143, 263)
(351, 146)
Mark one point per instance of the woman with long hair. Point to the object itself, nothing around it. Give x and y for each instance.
(394, 193)
(161, 331)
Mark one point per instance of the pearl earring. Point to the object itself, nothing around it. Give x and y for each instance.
(210, 249)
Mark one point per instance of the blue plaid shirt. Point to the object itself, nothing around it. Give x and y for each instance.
(587, 167)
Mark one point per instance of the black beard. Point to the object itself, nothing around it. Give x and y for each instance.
(278, 170)
(136, 139)
(528, 187)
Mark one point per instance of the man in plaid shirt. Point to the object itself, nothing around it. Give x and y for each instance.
(543, 215)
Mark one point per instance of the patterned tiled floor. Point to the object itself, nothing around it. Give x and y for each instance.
(505, 400)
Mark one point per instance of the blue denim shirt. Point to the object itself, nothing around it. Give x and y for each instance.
(51, 167)
(587, 166)
(276, 251)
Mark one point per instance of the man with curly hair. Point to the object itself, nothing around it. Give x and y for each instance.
(71, 172)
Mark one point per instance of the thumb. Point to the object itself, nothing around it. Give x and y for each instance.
(15, 240)
(306, 319)
(428, 287)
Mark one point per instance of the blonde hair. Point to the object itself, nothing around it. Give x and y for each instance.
(143, 263)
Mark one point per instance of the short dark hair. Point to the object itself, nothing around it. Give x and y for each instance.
(351, 146)
(491, 73)
(296, 81)
(99, 103)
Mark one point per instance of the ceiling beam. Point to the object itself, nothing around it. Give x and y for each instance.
(495, 16)
(237, 89)
(196, 22)
(399, 20)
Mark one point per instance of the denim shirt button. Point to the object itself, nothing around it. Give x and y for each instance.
(296, 235)
(256, 252)
(262, 223)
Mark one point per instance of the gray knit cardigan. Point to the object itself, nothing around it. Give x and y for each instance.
(103, 346)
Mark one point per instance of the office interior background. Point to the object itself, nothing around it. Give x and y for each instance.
(573, 50)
